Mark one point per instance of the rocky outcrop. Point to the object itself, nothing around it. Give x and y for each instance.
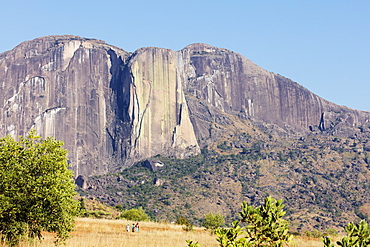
(157, 110)
(108, 114)
(60, 85)
(233, 84)
(113, 108)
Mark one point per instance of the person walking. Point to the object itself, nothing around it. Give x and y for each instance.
(128, 228)
(137, 227)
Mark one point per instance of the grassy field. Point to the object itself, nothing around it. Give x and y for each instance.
(111, 233)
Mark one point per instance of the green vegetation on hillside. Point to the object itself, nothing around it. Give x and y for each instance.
(323, 179)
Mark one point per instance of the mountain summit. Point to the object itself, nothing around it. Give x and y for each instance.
(113, 108)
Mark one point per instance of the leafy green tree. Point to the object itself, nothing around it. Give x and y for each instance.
(135, 214)
(36, 189)
(264, 226)
(213, 221)
(358, 235)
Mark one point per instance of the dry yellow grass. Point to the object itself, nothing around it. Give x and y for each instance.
(112, 233)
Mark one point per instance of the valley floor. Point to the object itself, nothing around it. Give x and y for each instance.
(111, 233)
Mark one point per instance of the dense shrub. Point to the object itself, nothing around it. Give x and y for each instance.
(213, 221)
(135, 214)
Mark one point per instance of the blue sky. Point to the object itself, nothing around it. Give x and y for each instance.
(323, 45)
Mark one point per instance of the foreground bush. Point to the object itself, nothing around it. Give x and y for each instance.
(358, 235)
(263, 226)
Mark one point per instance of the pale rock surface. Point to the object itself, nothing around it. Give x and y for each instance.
(157, 109)
(110, 107)
(233, 84)
(113, 108)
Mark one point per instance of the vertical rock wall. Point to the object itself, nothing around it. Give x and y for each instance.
(157, 109)
(108, 111)
(112, 108)
(235, 85)
(59, 85)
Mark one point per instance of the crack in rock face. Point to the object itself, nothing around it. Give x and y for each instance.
(113, 108)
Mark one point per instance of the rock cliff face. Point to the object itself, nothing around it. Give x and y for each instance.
(112, 107)
(61, 86)
(233, 84)
(156, 107)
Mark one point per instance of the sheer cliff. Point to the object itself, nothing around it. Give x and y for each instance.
(113, 108)
(233, 84)
(156, 108)
(110, 107)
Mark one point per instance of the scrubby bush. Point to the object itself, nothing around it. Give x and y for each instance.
(135, 214)
(213, 221)
(186, 225)
(358, 235)
(265, 225)
(314, 234)
(181, 220)
(262, 226)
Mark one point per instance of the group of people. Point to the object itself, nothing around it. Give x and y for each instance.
(134, 228)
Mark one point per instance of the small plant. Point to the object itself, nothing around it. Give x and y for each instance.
(331, 232)
(314, 234)
(188, 227)
(264, 227)
(181, 220)
(192, 243)
(358, 235)
(119, 207)
(229, 237)
(213, 221)
(265, 224)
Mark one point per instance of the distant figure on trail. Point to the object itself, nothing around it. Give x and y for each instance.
(128, 227)
(133, 227)
(137, 227)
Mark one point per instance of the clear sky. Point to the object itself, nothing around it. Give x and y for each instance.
(323, 45)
